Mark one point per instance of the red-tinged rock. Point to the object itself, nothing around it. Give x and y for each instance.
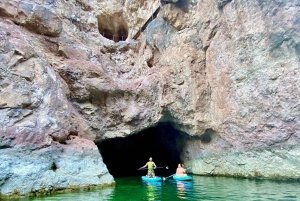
(39, 19)
(227, 75)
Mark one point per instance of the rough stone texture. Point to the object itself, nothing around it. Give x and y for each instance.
(175, 16)
(252, 67)
(39, 19)
(35, 115)
(273, 162)
(159, 34)
(49, 170)
(137, 12)
(222, 3)
(224, 72)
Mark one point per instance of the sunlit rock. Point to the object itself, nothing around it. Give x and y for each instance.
(224, 73)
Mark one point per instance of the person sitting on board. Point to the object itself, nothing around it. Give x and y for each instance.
(150, 165)
(184, 170)
(180, 171)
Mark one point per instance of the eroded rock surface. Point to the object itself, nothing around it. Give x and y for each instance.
(76, 165)
(38, 123)
(224, 72)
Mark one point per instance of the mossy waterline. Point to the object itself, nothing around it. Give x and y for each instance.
(55, 190)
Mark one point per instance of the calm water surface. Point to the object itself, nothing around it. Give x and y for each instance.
(201, 188)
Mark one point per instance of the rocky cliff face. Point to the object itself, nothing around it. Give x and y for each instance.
(224, 72)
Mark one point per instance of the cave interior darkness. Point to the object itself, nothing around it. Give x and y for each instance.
(123, 156)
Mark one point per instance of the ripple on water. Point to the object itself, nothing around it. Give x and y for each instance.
(201, 188)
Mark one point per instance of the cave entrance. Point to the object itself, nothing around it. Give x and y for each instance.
(182, 4)
(123, 156)
(113, 27)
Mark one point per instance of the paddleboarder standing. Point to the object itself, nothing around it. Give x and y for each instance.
(151, 166)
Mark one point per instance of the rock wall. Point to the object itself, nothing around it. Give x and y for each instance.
(224, 72)
(252, 66)
(78, 165)
(45, 144)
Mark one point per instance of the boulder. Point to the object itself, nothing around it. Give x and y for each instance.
(39, 19)
(76, 165)
(159, 33)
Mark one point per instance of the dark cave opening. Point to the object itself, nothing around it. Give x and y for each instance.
(182, 4)
(113, 27)
(120, 35)
(123, 156)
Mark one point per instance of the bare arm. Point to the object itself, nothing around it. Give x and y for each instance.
(154, 165)
(145, 165)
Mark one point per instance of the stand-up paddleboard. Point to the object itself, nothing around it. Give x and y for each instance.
(182, 178)
(144, 178)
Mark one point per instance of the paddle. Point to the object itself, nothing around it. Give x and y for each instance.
(154, 168)
(164, 178)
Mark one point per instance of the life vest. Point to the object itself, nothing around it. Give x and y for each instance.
(150, 165)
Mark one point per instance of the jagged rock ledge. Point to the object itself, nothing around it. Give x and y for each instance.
(224, 69)
(268, 163)
(55, 169)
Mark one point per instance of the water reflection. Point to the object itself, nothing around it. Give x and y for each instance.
(200, 188)
(104, 194)
(153, 190)
(183, 188)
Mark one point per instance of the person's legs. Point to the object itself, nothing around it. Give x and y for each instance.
(151, 173)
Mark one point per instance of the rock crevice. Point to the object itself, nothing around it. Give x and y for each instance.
(223, 72)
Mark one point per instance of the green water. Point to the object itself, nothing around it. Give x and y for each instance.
(201, 188)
